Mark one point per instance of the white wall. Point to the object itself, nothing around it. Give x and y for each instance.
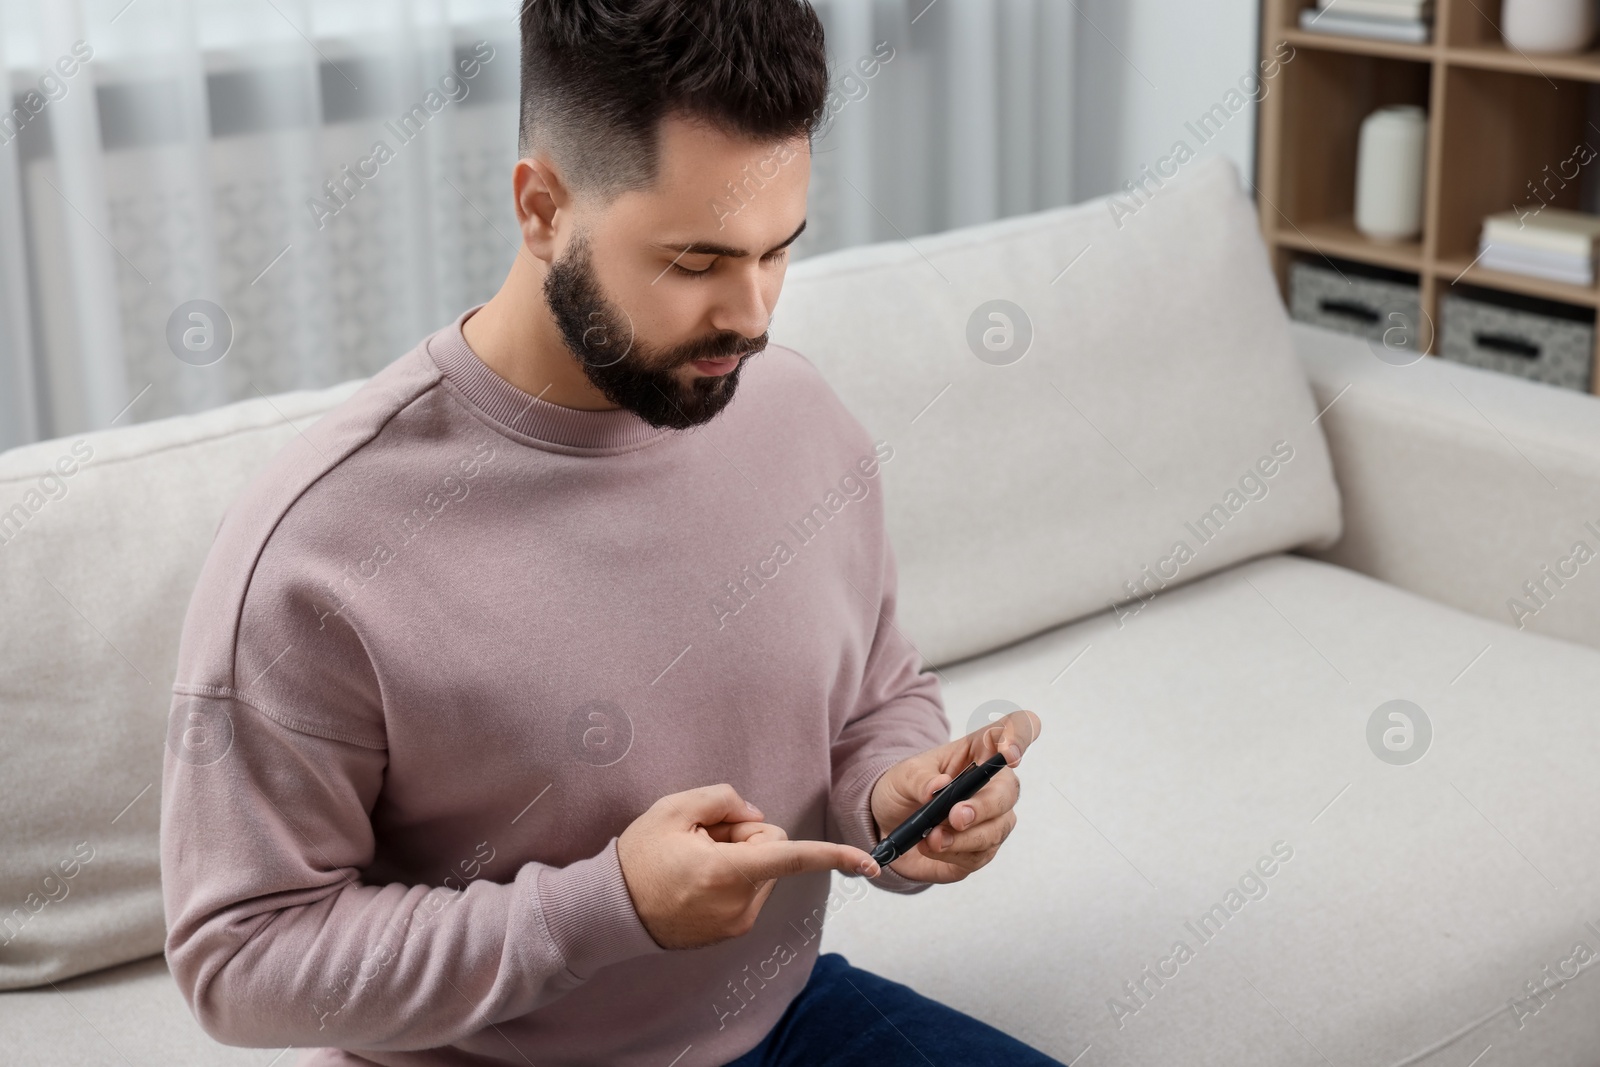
(1147, 67)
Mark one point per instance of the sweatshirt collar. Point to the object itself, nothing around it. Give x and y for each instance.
(523, 413)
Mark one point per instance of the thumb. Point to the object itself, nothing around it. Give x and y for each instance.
(1010, 735)
(709, 805)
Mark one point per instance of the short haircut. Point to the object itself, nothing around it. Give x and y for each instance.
(598, 76)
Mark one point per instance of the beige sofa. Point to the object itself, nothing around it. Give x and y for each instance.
(1217, 768)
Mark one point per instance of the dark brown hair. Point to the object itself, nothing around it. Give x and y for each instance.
(599, 75)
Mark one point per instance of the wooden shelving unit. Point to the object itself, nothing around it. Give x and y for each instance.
(1497, 119)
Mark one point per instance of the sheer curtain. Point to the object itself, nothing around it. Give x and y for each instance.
(160, 153)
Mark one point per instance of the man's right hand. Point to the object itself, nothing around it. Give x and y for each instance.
(700, 864)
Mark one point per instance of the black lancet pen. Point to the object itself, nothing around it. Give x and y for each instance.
(904, 838)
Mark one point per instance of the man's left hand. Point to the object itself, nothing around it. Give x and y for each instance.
(972, 834)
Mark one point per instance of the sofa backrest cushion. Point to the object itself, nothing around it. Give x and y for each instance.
(1158, 428)
(101, 541)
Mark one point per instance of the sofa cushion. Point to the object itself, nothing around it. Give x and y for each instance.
(101, 540)
(1179, 748)
(1160, 374)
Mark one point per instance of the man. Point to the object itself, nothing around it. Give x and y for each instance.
(526, 704)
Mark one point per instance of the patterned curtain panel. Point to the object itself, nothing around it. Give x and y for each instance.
(203, 201)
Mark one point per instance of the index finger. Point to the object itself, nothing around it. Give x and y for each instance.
(763, 860)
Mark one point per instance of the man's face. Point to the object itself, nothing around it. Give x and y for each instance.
(684, 272)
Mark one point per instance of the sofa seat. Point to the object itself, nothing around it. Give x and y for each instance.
(132, 1014)
(1181, 743)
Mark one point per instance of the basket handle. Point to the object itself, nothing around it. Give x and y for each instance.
(1351, 310)
(1508, 345)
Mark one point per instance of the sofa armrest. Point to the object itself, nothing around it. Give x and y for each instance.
(1475, 489)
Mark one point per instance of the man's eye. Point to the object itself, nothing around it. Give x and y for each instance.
(771, 257)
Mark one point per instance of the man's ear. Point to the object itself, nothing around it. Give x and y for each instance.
(540, 196)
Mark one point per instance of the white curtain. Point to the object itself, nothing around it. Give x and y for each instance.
(161, 152)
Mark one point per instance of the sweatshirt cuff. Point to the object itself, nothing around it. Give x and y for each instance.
(590, 914)
(853, 803)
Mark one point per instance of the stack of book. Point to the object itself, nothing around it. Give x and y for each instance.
(1410, 21)
(1543, 242)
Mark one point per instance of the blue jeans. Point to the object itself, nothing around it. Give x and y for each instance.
(847, 1017)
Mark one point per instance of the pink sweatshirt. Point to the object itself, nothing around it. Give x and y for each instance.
(451, 643)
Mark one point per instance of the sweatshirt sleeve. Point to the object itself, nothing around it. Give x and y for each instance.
(899, 713)
(274, 937)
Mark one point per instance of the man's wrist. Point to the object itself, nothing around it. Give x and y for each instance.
(877, 829)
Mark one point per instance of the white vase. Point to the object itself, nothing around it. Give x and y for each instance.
(1390, 167)
(1548, 25)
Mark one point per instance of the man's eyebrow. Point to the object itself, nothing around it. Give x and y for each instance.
(707, 248)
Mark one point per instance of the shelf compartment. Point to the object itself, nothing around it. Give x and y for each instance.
(1473, 39)
(1324, 97)
(1509, 140)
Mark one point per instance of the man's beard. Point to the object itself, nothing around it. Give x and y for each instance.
(630, 373)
